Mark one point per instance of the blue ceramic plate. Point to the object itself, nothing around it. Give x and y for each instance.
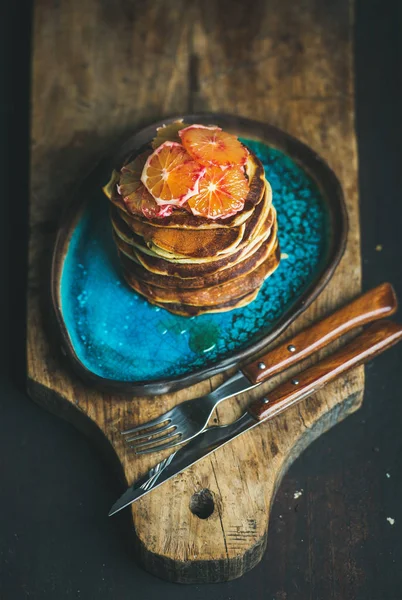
(119, 340)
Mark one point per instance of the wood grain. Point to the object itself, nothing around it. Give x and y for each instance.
(101, 71)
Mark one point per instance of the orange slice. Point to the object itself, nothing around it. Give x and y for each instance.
(221, 194)
(212, 146)
(135, 195)
(171, 175)
(110, 187)
(168, 133)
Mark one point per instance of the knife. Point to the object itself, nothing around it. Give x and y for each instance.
(364, 347)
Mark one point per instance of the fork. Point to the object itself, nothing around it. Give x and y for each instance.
(190, 418)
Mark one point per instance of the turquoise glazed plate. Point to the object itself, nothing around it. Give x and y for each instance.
(116, 339)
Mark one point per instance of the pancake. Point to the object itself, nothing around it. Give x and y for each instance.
(178, 245)
(185, 271)
(186, 310)
(246, 234)
(208, 296)
(191, 310)
(191, 265)
(182, 219)
(249, 262)
(198, 269)
(192, 243)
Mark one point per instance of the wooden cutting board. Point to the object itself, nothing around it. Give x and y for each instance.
(103, 70)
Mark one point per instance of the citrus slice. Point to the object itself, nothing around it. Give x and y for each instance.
(136, 197)
(171, 175)
(110, 187)
(222, 193)
(212, 146)
(168, 133)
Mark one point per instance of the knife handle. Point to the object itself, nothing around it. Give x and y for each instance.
(375, 304)
(364, 347)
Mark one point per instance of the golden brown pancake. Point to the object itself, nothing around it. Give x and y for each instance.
(191, 243)
(207, 296)
(186, 273)
(186, 310)
(191, 310)
(183, 219)
(249, 262)
(256, 227)
(199, 269)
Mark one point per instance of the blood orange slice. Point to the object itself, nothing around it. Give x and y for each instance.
(168, 133)
(135, 195)
(221, 194)
(171, 175)
(212, 146)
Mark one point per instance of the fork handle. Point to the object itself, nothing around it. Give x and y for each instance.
(375, 304)
(364, 347)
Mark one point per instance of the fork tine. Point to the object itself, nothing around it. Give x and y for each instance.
(147, 448)
(149, 424)
(155, 440)
(148, 435)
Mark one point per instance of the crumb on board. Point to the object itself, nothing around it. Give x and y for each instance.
(390, 520)
(297, 494)
(388, 475)
(378, 247)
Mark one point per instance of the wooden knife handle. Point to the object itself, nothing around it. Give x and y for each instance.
(364, 347)
(375, 304)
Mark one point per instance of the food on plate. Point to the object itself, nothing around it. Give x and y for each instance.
(193, 220)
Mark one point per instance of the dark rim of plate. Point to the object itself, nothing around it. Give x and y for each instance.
(313, 164)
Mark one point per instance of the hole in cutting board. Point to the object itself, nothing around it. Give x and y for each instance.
(202, 504)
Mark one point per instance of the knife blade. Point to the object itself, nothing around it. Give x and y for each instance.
(195, 450)
(364, 347)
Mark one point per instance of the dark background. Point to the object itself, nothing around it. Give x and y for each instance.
(334, 542)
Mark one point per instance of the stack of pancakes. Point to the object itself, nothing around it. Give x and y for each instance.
(191, 265)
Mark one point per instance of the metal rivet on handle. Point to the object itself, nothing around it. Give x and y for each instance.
(266, 401)
(261, 365)
(295, 381)
(291, 348)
